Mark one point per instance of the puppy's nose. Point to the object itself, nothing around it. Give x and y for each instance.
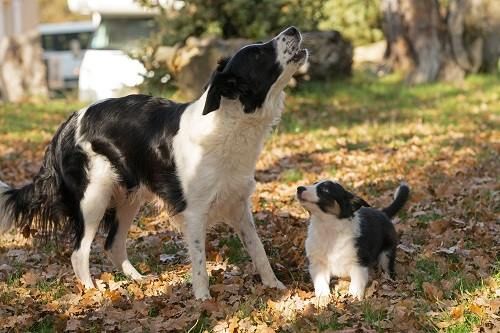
(300, 189)
(292, 31)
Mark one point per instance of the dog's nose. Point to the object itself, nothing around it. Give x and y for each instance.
(300, 189)
(292, 31)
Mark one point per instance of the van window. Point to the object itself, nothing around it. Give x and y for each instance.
(62, 41)
(122, 33)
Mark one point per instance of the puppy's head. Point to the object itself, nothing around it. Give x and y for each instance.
(328, 197)
(256, 71)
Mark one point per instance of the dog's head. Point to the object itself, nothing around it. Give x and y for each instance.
(328, 197)
(256, 71)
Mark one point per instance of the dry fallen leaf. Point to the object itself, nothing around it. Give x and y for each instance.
(431, 291)
(457, 312)
(30, 278)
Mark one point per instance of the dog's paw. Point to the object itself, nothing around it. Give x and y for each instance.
(131, 272)
(202, 294)
(356, 292)
(275, 284)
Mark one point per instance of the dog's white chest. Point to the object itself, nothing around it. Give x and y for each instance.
(216, 155)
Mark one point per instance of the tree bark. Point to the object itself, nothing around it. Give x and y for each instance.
(22, 71)
(431, 42)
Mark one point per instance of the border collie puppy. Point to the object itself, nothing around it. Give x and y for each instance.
(345, 236)
(197, 158)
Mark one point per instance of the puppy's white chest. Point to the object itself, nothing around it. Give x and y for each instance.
(333, 246)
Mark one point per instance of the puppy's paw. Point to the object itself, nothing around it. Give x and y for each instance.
(356, 292)
(321, 290)
(321, 301)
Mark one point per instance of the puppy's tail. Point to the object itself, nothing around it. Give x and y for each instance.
(400, 197)
(34, 206)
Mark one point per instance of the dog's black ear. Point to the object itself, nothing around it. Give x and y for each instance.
(221, 64)
(223, 85)
(248, 98)
(358, 202)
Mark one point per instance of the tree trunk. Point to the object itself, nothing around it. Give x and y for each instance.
(22, 71)
(430, 42)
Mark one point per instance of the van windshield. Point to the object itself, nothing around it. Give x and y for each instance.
(122, 33)
(62, 41)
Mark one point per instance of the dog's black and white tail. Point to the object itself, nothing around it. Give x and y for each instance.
(34, 206)
(400, 197)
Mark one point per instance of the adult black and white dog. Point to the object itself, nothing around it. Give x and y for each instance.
(197, 158)
(346, 237)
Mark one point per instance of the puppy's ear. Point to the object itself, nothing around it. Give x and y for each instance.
(358, 202)
(350, 203)
(223, 85)
(345, 207)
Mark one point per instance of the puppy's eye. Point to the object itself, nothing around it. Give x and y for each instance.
(324, 190)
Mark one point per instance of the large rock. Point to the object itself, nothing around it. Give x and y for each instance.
(22, 71)
(191, 64)
(330, 55)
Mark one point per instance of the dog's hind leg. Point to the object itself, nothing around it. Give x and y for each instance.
(92, 206)
(245, 228)
(116, 241)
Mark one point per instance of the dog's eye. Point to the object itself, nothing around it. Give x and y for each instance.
(324, 190)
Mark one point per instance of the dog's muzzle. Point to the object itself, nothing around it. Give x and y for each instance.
(292, 40)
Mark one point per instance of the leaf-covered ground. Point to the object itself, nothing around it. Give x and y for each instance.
(369, 133)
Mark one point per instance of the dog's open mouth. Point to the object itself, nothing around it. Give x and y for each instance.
(300, 56)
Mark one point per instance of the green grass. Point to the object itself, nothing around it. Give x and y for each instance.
(45, 325)
(373, 316)
(119, 276)
(291, 175)
(201, 324)
(470, 321)
(153, 312)
(52, 286)
(386, 101)
(171, 248)
(425, 271)
(236, 252)
(34, 122)
(329, 323)
(13, 279)
(424, 220)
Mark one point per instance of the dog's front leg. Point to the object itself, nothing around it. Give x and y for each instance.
(245, 227)
(195, 232)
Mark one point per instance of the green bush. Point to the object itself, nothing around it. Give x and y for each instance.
(236, 18)
(357, 20)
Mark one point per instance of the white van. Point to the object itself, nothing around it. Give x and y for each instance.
(107, 70)
(63, 46)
